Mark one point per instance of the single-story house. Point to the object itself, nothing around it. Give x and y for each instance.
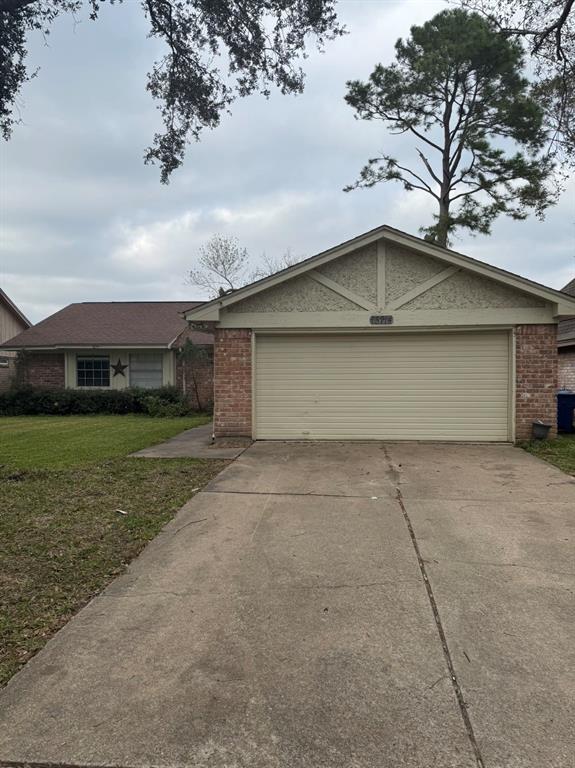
(385, 336)
(12, 322)
(114, 345)
(566, 341)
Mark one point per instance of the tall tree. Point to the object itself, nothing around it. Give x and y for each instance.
(547, 29)
(457, 87)
(262, 41)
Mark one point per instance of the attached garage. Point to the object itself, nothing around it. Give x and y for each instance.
(385, 337)
(402, 386)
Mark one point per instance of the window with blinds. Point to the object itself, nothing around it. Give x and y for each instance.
(146, 370)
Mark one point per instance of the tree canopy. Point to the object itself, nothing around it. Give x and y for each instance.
(457, 88)
(547, 30)
(216, 51)
(223, 265)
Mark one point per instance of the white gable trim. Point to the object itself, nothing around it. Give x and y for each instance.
(564, 305)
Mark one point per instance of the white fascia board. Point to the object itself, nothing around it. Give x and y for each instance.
(209, 313)
(564, 310)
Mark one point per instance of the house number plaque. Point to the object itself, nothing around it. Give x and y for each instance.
(381, 320)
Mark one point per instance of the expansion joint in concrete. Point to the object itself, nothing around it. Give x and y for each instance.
(437, 618)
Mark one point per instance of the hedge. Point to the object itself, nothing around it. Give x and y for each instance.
(26, 401)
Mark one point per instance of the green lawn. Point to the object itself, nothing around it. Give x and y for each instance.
(71, 441)
(560, 452)
(62, 480)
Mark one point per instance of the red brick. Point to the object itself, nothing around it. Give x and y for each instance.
(41, 369)
(233, 382)
(536, 378)
(196, 381)
(7, 372)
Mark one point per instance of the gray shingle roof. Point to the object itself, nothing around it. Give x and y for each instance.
(112, 323)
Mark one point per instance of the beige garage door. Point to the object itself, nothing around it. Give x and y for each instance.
(402, 386)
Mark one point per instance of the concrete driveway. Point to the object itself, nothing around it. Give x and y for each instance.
(327, 606)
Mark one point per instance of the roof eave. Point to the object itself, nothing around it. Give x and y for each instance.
(56, 347)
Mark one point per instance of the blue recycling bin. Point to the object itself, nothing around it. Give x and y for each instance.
(566, 411)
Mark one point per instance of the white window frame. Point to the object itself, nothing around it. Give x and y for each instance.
(80, 358)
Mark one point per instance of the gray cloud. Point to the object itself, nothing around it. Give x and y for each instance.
(84, 219)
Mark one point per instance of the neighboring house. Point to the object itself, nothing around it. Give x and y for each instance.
(12, 322)
(566, 341)
(114, 345)
(386, 337)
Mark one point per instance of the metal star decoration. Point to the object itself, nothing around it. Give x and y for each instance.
(119, 368)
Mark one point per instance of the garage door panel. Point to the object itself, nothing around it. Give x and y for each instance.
(433, 386)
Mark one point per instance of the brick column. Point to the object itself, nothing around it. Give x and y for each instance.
(233, 382)
(536, 378)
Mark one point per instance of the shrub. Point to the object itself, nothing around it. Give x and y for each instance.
(155, 406)
(32, 401)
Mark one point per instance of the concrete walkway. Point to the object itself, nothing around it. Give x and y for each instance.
(327, 606)
(194, 444)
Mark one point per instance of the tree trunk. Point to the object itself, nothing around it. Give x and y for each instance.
(196, 388)
(443, 223)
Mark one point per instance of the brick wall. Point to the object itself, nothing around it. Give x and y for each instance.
(7, 374)
(233, 382)
(567, 369)
(196, 381)
(42, 369)
(536, 378)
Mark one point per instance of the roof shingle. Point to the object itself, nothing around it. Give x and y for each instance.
(111, 323)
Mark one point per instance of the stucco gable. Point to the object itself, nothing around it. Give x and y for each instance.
(464, 290)
(385, 271)
(357, 271)
(301, 294)
(405, 269)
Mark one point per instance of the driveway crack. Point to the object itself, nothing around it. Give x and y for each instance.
(492, 564)
(292, 493)
(437, 618)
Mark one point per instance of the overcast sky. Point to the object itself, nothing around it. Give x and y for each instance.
(83, 219)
